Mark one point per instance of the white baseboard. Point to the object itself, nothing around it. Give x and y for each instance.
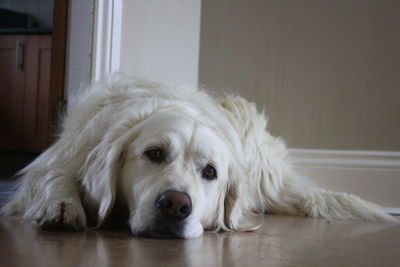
(373, 175)
(393, 211)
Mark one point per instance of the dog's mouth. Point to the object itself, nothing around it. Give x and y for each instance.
(163, 228)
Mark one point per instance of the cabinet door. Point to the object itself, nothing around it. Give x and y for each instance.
(36, 93)
(24, 91)
(11, 91)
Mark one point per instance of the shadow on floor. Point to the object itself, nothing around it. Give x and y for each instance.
(11, 163)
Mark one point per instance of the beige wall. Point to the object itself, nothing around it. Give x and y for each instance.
(79, 45)
(326, 72)
(160, 40)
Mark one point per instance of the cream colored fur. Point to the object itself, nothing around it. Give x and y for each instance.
(98, 163)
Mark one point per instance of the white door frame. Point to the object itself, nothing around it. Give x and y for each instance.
(107, 24)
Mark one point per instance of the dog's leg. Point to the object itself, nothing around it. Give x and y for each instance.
(276, 188)
(62, 208)
(295, 197)
(49, 197)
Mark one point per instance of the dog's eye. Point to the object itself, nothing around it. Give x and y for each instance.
(209, 173)
(156, 155)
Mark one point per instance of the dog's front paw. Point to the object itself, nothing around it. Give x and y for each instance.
(63, 216)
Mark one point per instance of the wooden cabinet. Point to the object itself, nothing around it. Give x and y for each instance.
(24, 92)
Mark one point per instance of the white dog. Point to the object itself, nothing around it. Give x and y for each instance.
(178, 160)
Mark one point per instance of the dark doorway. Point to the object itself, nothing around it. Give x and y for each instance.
(32, 67)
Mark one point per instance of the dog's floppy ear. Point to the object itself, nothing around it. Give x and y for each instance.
(232, 210)
(235, 218)
(100, 172)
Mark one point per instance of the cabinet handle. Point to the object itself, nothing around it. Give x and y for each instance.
(19, 62)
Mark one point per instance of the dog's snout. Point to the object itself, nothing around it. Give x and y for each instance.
(174, 205)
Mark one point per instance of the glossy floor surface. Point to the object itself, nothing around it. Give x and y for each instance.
(281, 241)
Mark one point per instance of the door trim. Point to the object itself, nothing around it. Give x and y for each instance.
(57, 65)
(106, 48)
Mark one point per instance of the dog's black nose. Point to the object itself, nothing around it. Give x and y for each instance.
(174, 205)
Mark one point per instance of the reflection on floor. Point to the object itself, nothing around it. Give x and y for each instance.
(281, 241)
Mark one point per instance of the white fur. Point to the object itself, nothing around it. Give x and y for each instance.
(98, 162)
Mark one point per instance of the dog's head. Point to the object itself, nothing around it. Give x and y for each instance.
(176, 171)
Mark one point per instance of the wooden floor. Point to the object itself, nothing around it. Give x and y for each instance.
(281, 241)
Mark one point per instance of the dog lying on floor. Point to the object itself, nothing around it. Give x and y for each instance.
(179, 160)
